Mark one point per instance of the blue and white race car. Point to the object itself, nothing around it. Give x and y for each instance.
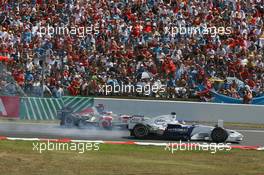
(167, 126)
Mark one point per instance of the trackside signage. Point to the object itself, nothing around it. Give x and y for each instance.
(9, 107)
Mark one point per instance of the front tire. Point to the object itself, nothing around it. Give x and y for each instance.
(105, 124)
(219, 135)
(140, 131)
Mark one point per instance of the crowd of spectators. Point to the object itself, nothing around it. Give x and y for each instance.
(132, 42)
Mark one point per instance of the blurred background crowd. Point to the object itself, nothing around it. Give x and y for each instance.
(132, 46)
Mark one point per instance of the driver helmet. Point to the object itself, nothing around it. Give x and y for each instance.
(173, 115)
(100, 108)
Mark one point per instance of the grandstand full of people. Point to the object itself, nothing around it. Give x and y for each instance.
(132, 45)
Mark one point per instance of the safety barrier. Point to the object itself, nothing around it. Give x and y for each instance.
(34, 108)
(189, 111)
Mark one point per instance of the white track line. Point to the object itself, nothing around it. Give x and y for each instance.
(254, 131)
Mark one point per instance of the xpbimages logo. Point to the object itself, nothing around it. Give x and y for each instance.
(201, 30)
(79, 147)
(74, 30)
(146, 89)
(188, 146)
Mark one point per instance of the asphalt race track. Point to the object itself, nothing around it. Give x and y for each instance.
(252, 137)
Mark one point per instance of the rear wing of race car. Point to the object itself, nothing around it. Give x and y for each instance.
(61, 113)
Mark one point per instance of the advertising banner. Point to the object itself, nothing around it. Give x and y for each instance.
(9, 106)
(35, 108)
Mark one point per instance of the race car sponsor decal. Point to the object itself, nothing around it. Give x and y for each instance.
(135, 119)
(178, 130)
(160, 121)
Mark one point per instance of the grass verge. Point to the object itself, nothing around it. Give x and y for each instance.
(18, 158)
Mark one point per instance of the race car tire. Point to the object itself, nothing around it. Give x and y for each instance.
(81, 123)
(105, 124)
(186, 138)
(140, 131)
(132, 133)
(62, 122)
(69, 122)
(219, 135)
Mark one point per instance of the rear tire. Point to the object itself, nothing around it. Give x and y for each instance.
(82, 124)
(69, 122)
(219, 135)
(140, 131)
(132, 133)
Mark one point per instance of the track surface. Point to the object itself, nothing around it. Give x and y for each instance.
(54, 131)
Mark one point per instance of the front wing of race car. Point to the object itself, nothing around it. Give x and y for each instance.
(203, 132)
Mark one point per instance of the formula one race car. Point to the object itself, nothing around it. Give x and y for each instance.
(168, 127)
(92, 117)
